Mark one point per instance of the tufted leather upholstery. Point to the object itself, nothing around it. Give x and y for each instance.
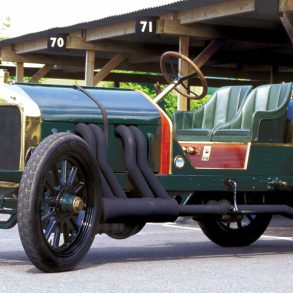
(262, 117)
(222, 107)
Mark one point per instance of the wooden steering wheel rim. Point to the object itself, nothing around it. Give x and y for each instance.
(198, 72)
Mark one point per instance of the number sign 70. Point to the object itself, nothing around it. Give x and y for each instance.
(57, 42)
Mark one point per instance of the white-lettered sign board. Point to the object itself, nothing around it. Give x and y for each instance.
(56, 42)
(146, 26)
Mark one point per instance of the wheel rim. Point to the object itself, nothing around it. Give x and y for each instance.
(242, 223)
(65, 206)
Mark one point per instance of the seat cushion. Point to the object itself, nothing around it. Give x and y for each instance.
(232, 135)
(192, 134)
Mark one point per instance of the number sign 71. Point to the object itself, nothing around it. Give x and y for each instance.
(146, 26)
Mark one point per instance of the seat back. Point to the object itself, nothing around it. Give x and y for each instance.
(264, 98)
(222, 107)
(262, 117)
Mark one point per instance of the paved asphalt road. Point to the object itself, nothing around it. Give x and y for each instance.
(161, 258)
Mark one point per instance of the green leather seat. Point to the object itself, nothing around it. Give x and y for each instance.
(222, 107)
(262, 117)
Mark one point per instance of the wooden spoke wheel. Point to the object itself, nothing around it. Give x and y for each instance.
(58, 203)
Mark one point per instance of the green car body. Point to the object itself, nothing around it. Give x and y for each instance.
(205, 175)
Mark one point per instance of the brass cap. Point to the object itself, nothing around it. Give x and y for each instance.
(77, 204)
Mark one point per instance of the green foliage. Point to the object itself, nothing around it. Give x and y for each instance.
(5, 24)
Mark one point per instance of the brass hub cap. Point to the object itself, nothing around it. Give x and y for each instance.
(77, 204)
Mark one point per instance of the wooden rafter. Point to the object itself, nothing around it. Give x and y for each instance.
(112, 64)
(9, 55)
(30, 46)
(208, 52)
(173, 27)
(114, 30)
(287, 21)
(79, 43)
(40, 73)
(286, 5)
(222, 9)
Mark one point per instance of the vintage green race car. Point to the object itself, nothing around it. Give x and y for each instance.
(75, 162)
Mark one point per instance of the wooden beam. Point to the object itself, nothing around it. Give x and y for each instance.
(41, 73)
(262, 73)
(114, 30)
(208, 52)
(19, 72)
(112, 64)
(173, 27)
(89, 67)
(101, 46)
(287, 21)
(183, 70)
(286, 5)
(222, 9)
(9, 55)
(30, 46)
(111, 46)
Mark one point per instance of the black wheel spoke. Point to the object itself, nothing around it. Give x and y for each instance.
(63, 172)
(49, 187)
(66, 235)
(47, 215)
(56, 239)
(74, 223)
(56, 175)
(80, 218)
(50, 227)
(79, 188)
(72, 176)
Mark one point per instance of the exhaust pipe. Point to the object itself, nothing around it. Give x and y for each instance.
(130, 161)
(143, 165)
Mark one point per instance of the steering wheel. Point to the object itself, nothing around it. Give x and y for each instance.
(169, 68)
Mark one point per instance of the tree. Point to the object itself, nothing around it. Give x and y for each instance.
(5, 24)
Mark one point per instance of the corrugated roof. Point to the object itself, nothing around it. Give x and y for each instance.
(174, 6)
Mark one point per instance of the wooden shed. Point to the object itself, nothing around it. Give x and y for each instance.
(233, 41)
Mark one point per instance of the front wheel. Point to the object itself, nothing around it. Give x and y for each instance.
(58, 203)
(241, 232)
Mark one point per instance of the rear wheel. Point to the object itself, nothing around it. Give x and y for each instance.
(128, 231)
(58, 203)
(235, 233)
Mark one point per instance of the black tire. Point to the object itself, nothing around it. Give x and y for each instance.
(129, 230)
(61, 171)
(235, 234)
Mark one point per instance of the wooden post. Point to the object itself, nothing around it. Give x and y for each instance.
(183, 70)
(19, 72)
(273, 73)
(117, 83)
(89, 67)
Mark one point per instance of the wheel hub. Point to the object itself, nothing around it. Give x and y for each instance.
(70, 203)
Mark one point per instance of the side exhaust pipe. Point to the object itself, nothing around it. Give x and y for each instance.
(130, 161)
